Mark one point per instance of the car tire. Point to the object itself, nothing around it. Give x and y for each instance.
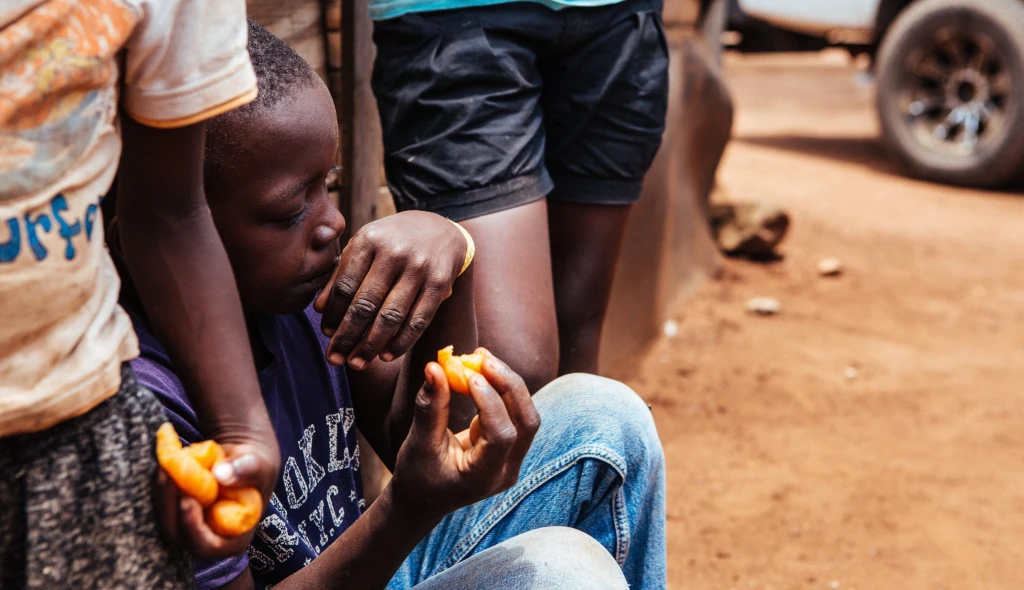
(950, 92)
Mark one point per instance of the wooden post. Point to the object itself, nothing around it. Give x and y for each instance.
(361, 150)
(362, 155)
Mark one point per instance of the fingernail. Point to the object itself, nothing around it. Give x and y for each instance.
(387, 357)
(336, 359)
(429, 382)
(493, 365)
(479, 381)
(328, 332)
(224, 472)
(244, 463)
(357, 363)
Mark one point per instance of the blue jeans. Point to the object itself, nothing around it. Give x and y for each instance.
(596, 465)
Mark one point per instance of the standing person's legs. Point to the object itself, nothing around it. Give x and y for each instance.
(514, 297)
(585, 243)
(605, 99)
(553, 558)
(596, 465)
(77, 500)
(459, 98)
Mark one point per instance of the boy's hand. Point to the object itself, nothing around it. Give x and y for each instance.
(392, 276)
(437, 471)
(182, 518)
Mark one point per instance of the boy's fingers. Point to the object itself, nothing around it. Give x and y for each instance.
(243, 470)
(362, 311)
(518, 402)
(430, 419)
(389, 320)
(422, 313)
(334, 299)
(199, 537)
(497, 432)
(465, 441)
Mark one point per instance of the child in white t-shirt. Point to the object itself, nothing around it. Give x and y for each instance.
(77, 465)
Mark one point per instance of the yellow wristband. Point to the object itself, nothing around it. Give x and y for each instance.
(470, 248)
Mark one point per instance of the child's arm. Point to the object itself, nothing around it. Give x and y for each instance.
(436, 474)
(383, 392)
(184, 280)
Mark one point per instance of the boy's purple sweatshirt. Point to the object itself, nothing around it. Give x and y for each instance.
(320, 492)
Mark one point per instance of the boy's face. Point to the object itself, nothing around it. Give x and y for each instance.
(271, 206)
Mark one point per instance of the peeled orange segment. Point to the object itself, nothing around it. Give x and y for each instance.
(207, 453)
(474, 362)
(236, 512)
(459, 369)
(230, 512)
(167, 441)
(191, 478)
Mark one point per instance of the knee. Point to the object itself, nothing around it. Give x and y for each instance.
(561, 557)
(537, 367)
(609, 410)
(531, 351)
(539, 372)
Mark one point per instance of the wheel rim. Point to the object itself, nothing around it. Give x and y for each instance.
(956, 90)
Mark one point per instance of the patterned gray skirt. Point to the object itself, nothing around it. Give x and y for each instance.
(76, 501)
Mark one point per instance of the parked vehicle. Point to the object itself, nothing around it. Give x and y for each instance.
(950, 76)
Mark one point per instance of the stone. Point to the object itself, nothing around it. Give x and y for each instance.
(830, 267)
(764, 306)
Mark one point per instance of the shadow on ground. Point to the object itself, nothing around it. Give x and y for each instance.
(864, 151)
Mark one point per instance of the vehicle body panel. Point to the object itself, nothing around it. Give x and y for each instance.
(815, 17)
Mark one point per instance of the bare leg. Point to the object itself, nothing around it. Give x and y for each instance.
(585, 243)
(515, 302)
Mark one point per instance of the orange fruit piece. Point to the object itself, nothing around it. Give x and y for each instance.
(186, 471)
(459, 369)
(208, 453)
(230, 511)
(236, 512)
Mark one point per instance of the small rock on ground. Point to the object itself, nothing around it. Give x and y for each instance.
(764, 306)
(830, 267)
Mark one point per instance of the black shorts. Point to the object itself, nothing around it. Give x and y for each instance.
(485, 109)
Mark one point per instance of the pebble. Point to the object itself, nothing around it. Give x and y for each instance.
(834, 584)
(764, 306)
(671, 328)
(851, 373)
(830, 267)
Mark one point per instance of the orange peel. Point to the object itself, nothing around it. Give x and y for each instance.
(229, 511)
(460, 369)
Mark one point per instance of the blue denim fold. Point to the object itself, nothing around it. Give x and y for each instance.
(596, 465)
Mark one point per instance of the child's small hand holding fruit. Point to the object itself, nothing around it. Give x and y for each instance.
(230, 512)
(438, 471)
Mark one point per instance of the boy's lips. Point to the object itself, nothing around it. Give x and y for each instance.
(320, 280)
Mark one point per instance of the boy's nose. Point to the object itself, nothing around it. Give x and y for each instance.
(330, 231)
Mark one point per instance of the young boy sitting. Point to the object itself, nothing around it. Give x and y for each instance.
(495, 508)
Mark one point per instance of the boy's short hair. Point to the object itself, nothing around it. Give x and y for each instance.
(279, 71)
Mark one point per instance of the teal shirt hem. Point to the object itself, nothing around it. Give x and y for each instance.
(385, 9)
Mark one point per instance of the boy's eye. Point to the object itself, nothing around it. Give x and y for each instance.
(294, 219)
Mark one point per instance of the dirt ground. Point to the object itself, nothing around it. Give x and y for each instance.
(871, 436)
